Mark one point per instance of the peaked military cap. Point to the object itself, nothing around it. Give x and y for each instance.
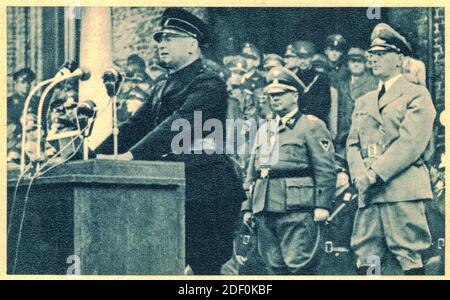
(290, 51)
(250, 50)
(384, 37)
(336, 41)
(280, 79)
(181, 22)
(272, 60)
(136, 59)
(26, 73)
(304, 48)
(237, 63)
(355, 52)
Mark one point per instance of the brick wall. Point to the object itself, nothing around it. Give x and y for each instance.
(438, 57)
(428, 45)
(438, 51)
(413, 23)
(24, 40)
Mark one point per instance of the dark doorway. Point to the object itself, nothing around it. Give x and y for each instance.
(271, 29)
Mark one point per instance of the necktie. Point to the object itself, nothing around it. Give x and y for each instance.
(382, 92)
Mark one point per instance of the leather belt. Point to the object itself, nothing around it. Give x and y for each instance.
(269, 173)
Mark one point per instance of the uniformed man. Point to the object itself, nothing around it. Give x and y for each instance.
(22, 84)
(135, 71)
(291, 59)
(357, 83)
(390, 130)
(336, 47)
(293, 173)
(213, 194)
(316, 94)
(271, 60)
(253, 79)
(413, 69)
(247, 110)
(136, 81)
(319, 63)
(237, 67)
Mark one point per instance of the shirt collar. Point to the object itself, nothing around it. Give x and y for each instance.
(188, 70)
(388, 84)
(287, 117)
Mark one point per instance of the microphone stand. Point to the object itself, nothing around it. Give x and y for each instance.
(23, 119)
(115, 127)
(55, 81)
(115, 131)
(86, 135)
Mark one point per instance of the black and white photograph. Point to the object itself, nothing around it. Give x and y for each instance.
(193, 140)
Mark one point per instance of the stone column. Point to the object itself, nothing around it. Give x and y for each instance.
(95, 55)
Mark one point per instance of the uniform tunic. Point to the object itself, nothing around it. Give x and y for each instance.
(348, 91)
(283, 206)
(315, 99)
(390, 136)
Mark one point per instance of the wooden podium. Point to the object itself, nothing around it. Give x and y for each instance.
(107, 217)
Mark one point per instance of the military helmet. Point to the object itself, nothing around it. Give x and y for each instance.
(272, 60)
(304, 48)
(26, 74)
(290, 51)
(237, 63)
(250, 50)
(336, 41)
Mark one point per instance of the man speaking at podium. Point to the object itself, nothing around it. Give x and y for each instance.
(213, 190)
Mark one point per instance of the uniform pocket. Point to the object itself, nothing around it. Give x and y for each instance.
(292, 152)
(299, 193)
(360, 119)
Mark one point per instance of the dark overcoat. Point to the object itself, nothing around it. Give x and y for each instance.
(213, 190)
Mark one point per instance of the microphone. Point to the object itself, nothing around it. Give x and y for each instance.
(86, 112)
(80, 73)
(77, 73)
(86, 108)
(113, 74)
(112, 78)
(67, 68)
